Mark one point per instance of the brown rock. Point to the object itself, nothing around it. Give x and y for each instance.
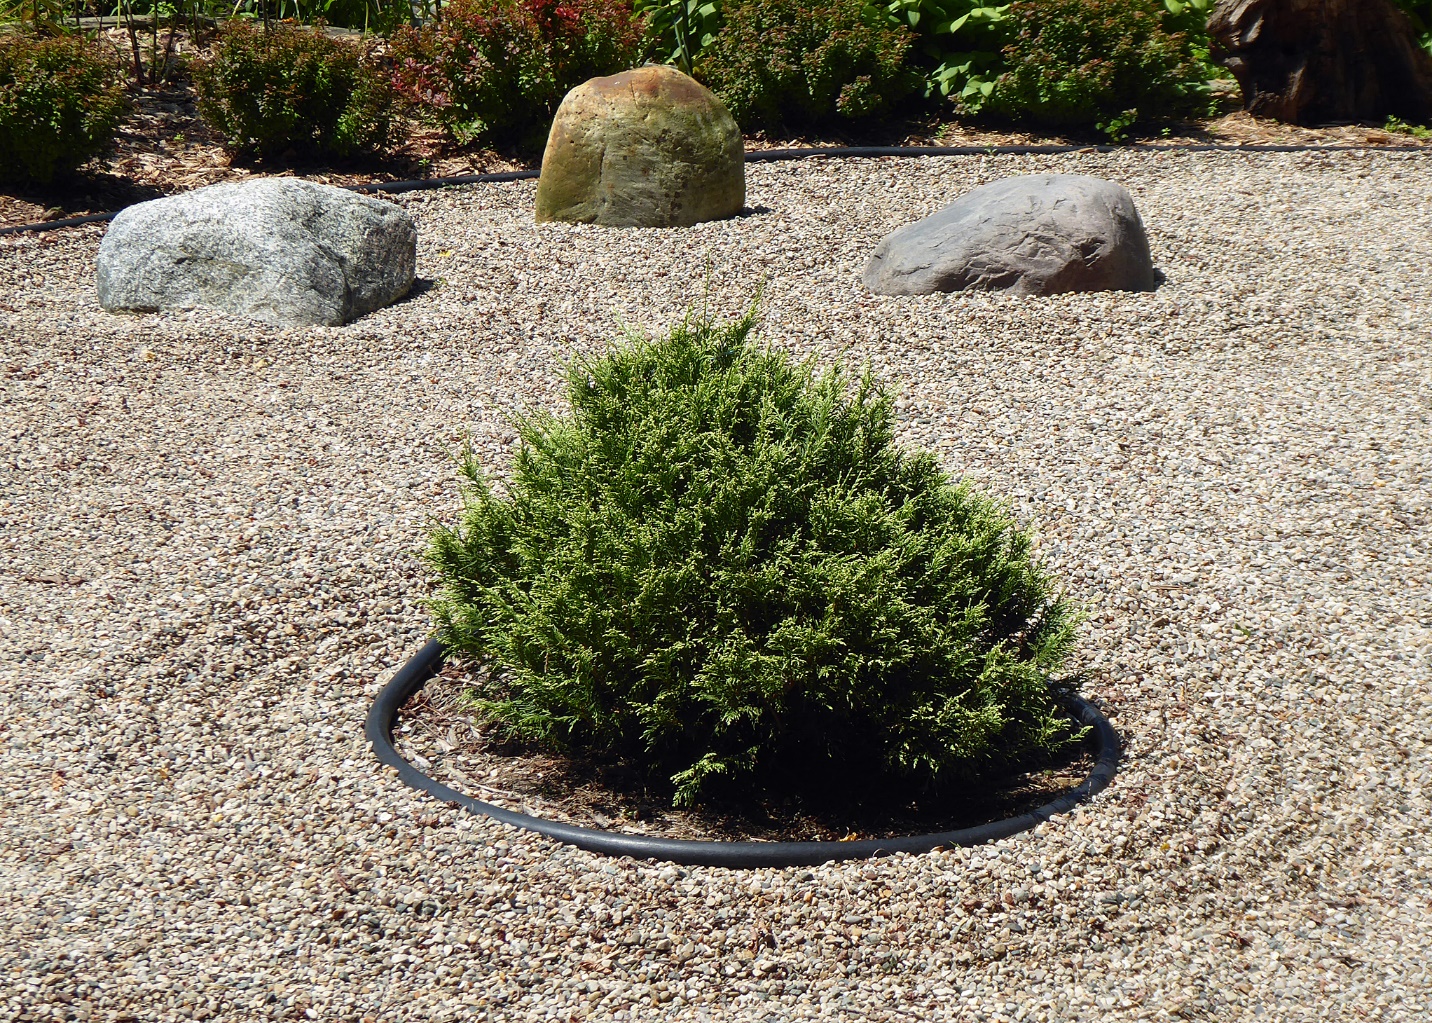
(1318, 61)
(645, 148)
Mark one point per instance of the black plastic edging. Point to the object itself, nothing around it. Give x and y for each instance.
(54, 225)
(831, 152)
(428, 661)
(421, 184)
(860, 152)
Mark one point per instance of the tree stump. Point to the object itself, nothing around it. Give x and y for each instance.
(1321, 61)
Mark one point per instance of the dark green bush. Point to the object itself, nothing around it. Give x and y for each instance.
(292, 88)
(958, 44)
(795, 63)
(1188, 16)
(1420, 11)
(498, 69)
(719, 568)
(678, 30)
(1098, 63)
(60, 102)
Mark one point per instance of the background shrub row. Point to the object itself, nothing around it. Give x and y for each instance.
(495, 70)
(498, 68)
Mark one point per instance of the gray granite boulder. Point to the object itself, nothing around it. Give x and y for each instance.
(1037, 235)
(645, 148)
(283, 251)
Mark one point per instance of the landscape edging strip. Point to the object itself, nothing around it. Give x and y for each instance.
(774, 155)
(428, 661)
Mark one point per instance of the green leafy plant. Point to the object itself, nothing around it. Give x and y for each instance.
(1401, 127)
(1117, 126)
(719, 567)
(783, 63)
(60, 103)
(1112, 63)
(1420, 11)
(1188, 16)
(41, 17)
(292, 89)
(498, 69)
(369, 15)
(959, 43)
(680, 30)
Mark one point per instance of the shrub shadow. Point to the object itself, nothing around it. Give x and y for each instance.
(586, 791)
(80, 194)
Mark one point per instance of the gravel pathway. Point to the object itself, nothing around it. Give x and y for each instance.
(207, 536)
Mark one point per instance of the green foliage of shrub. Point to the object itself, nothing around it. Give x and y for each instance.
(958, 49)
(720, 566)
(805, 62)
(959, 44)
(1102, 63)
(1401, 127)
(498, 69)
(678, 31)
(60, 102)
(1190, 17)
(292, 88)
(1420, 11)
(1187, 16)
(41, 17)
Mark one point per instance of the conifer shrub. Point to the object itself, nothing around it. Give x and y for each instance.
(720, 569)
(61, 99)
(1098, 63)
(498, 69)
(292, 88)
(801, 63)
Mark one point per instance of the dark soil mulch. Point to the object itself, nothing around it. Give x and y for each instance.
(449, 743)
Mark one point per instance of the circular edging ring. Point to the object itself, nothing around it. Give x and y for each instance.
(428, 661)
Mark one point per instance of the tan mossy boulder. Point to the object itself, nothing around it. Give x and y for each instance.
(645, 148)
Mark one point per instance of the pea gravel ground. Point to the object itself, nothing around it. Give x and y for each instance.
(207, 537)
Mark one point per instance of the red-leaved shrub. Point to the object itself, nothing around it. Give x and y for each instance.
(499, 68)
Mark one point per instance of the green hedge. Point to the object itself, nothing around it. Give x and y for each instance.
(799, 63)
(496, 70)
(1068, 63)
(292, 89)
(1097, 63)
(60, 102)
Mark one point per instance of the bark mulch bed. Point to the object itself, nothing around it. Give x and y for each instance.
(163, 148)
(441, 736)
